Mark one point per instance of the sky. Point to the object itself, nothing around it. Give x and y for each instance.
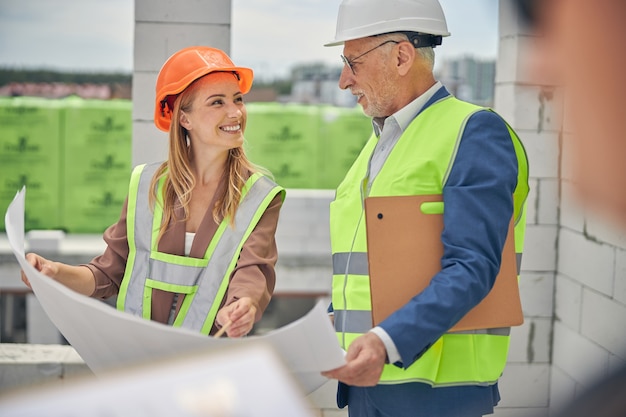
(271, 36)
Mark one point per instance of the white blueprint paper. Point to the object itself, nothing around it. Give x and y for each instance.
(106, 338)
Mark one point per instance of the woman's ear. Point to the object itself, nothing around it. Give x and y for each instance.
(184, 121)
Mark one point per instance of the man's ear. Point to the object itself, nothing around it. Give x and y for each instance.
(184, 121)
(406, 57)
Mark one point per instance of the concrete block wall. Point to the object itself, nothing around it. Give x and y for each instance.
(303, 241)
(573, 279)
(161, 28)
(529, 109)
(590, 302)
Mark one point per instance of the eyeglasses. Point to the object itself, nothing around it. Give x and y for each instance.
(350, 62)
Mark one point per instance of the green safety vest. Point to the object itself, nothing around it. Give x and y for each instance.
(415, 167)
(202, 281)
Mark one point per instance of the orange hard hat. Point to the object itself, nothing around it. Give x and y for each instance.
(186, 66)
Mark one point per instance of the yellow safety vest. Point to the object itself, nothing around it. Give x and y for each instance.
(202, 281)
(415, 167)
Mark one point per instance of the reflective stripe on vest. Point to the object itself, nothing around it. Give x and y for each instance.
(203, 281)
(415, 167)
(360, 321)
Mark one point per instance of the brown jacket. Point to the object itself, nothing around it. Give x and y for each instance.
(252, 277)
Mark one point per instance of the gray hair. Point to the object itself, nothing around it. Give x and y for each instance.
(426, 53)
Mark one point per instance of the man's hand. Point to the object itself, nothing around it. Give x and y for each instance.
(366, 357)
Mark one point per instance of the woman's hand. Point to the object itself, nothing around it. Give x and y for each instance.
(77, 278)
(241, 314)
(42, 265)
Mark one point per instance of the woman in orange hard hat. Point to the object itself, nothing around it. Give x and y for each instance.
(194, 246)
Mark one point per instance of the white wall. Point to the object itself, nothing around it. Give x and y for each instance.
(528, 109)
(574, 270)
(590, 301)
(161, 28)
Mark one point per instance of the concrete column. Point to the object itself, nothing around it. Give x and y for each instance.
(39, 328)
(590, 299)
(574, 262)
(161, 28)
(528, 108)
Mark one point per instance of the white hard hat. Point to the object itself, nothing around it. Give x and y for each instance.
(363, 18)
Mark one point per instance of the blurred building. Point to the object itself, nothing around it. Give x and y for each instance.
(56, 90)
(317, 84)
(469, 79)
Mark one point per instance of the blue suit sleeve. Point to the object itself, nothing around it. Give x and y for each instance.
(478, 206)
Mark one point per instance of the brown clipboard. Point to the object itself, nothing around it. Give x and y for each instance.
(404, 253)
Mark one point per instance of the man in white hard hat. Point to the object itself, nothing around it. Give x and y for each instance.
(425, 142)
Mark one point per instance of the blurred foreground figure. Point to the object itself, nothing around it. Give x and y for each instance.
(580, 47)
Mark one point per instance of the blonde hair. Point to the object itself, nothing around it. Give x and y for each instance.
(179, 178)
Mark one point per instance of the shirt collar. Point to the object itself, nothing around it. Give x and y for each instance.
(405, 115)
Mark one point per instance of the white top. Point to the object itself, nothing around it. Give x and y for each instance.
(188, 241)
